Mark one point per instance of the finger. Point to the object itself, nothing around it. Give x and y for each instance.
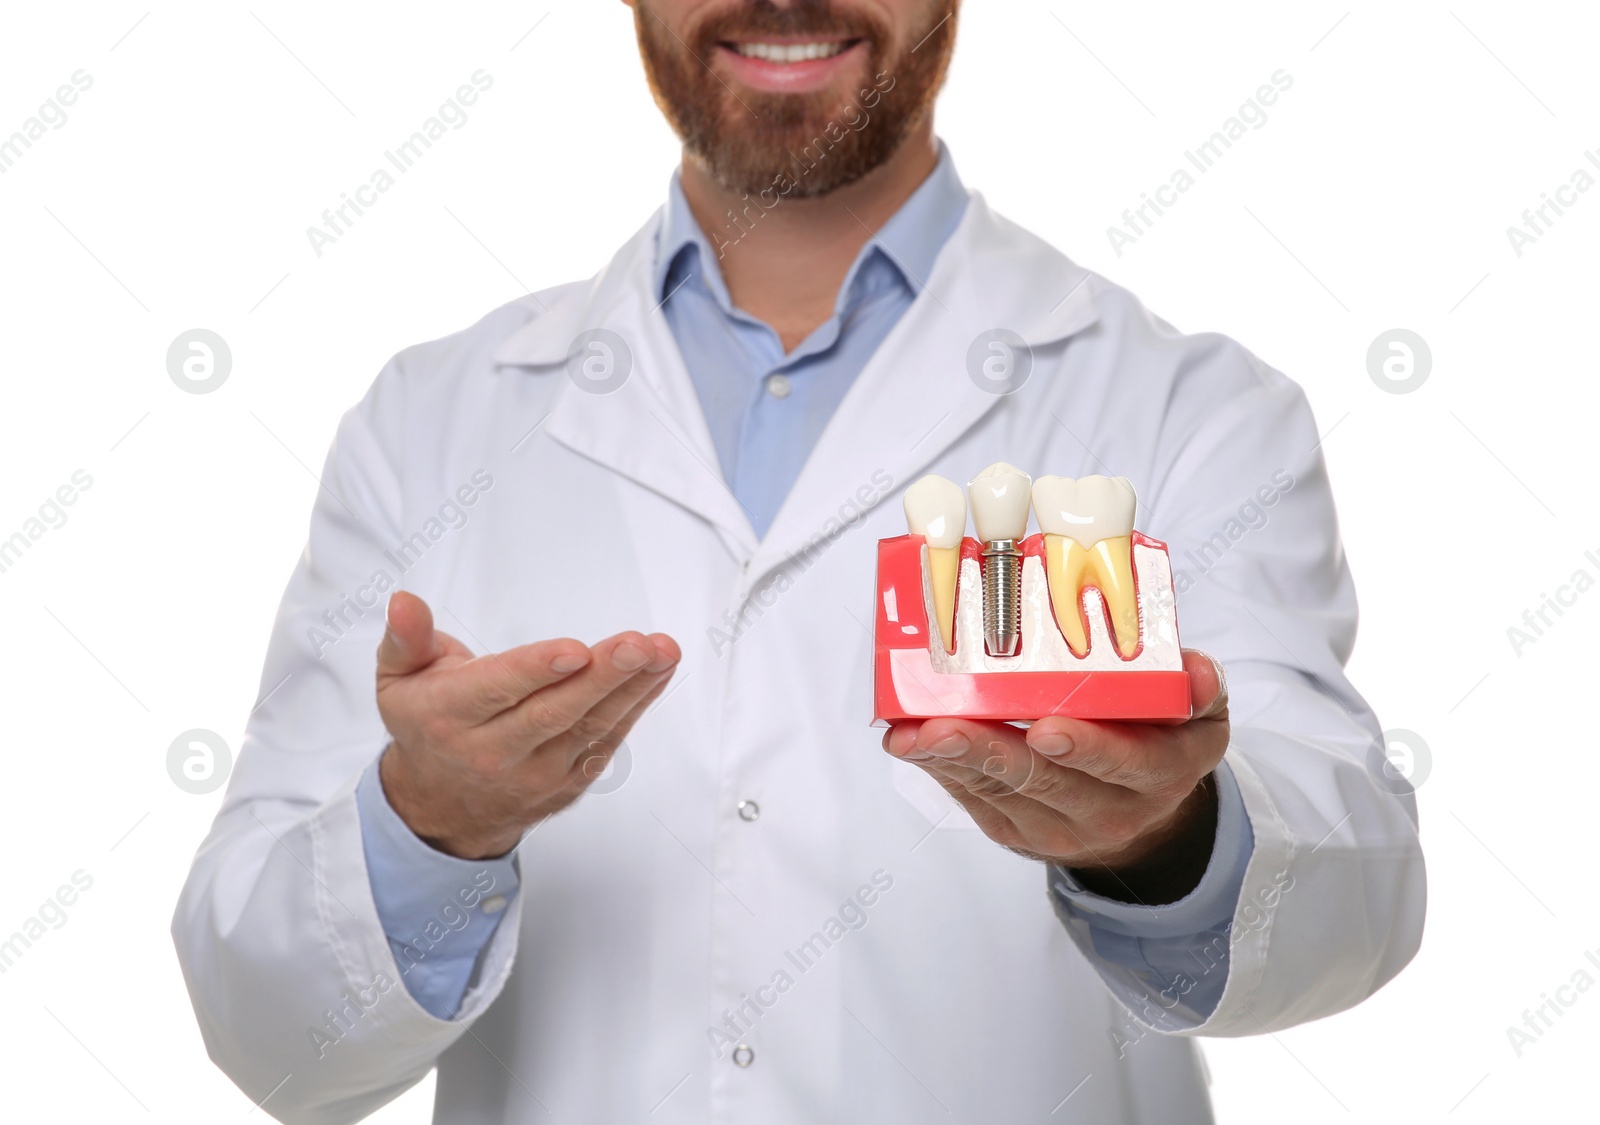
(955, 739)
(1208, 684)
(1154, 758)
(604, 721)
(555, 709)
(939, 741)
(900, 740)
(1144, 757)
(1208, 689)
(995, 824)
(489, 685)
(409, 643)
(591, 761)
(667, 653)
(995, 762)
(984, 755)
(992, 759)
(1057, 812)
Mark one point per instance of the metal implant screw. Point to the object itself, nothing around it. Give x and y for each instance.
(1002, 597)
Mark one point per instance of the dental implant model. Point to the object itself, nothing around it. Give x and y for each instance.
(1078, 620)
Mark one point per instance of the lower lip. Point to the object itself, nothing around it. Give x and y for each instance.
(797, 77)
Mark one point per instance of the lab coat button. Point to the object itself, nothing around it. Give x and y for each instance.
(778, 386)
(494, 904)
(743, 1056)
(749, 810)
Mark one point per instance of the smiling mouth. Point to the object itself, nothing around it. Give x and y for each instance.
(790, 53)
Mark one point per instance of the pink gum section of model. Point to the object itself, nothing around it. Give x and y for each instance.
(906, 685)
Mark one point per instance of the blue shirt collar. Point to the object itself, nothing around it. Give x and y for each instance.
(909, 242)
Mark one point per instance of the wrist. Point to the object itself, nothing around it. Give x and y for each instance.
(405, 795)
(1167, 862)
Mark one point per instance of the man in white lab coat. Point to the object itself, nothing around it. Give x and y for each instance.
(750, 910)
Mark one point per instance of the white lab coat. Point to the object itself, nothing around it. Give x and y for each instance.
(648, 910)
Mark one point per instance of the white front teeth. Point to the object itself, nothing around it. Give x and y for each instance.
(1088, 509)
(936, 509)
(788, 52)
(1088, 530)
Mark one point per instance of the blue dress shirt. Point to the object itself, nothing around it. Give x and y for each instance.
(765, 409)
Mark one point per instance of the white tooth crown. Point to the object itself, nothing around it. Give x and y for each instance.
(936, 509)
(1000, 498)
(789, 52)
(1086, 510)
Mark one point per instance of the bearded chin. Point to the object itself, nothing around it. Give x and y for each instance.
(798, 142)
(804, 145)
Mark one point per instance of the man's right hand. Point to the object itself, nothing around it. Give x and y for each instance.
(485, 747)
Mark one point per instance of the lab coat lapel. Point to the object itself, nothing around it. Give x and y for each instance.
(916, 397)
(639, 415)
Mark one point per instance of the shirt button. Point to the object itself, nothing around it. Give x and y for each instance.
(743, 1056)
(494, 904)
(779, 386)
(749, 810)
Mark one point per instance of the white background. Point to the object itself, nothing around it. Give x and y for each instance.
(1376, 196)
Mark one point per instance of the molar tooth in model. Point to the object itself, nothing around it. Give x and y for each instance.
(1088, 540)
(936, 509)
(999, 497)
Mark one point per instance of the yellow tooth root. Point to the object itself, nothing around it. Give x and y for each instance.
(944, 565)
(1107, 566)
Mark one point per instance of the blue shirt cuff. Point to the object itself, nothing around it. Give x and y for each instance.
(438, 911)
(1209, 906)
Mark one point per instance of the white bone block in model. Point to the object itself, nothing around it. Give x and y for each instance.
(1044, 649)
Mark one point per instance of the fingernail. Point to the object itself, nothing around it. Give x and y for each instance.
(1051, 745)
(568, 662)
(950, 746)
(629, 658)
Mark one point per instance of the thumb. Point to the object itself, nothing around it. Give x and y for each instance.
(1208, 685)
(409, 643)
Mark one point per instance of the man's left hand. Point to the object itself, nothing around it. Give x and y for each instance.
(1130, 807)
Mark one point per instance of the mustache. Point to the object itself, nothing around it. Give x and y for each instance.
(819, 19)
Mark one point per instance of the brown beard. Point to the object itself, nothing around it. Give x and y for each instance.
(811, 143)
